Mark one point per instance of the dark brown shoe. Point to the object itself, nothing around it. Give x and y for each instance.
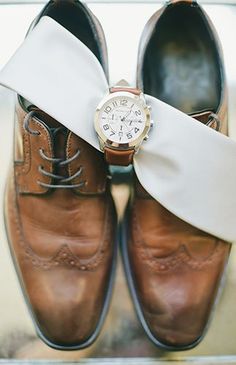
(175, 270)
(60, 216)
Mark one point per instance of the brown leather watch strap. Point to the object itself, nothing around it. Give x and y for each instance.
(118, 157)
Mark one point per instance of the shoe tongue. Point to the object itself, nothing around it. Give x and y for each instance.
(44, 118)
(59, 136)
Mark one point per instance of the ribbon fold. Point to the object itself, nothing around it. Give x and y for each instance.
(187, 167)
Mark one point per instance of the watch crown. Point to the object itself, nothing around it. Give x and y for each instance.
(146, 138)
(152, 123)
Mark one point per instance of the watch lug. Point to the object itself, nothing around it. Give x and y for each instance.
(101, 144)
(137, 147)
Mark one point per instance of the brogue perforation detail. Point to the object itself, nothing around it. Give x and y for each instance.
(64, 256)
(176, 259)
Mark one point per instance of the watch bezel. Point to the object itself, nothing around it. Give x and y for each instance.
(122, 146)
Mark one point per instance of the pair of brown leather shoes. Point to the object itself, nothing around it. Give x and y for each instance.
(60, 216)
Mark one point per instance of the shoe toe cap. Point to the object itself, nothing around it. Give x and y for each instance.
(66, 306)
(178, 321)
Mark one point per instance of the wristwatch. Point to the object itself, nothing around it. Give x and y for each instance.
(122, 123)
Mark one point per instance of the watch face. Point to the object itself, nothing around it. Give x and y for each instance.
(122, 119)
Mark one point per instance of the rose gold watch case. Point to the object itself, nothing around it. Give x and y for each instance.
(135, 144)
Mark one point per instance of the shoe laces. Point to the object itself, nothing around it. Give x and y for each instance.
(213, 118)
(63, 181)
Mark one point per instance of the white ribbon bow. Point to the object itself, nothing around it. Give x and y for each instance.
(187, 167)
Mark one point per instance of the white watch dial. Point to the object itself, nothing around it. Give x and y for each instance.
(122, 119)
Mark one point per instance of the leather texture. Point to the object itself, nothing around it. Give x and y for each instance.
(62, 239)
(170, 165)
(181, 162)
(118, 157)
(174, 269)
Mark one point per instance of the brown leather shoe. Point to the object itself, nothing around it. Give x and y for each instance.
(175, 270)
(60, 216)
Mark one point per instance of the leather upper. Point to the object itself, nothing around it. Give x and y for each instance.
(176, 269)
(62, 239)
(60, 216)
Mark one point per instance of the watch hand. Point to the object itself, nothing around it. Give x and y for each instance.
(123, 119)
(125, 125)
(112, 129)
(130, 121)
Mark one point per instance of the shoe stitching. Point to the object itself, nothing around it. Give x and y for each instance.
(64, 256)
(101, 187)
(23, 168)
(174, 260)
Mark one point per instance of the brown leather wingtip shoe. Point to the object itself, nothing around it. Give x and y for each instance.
(175, 270)
(60, 217)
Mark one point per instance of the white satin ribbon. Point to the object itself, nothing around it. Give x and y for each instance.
(188, 167)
